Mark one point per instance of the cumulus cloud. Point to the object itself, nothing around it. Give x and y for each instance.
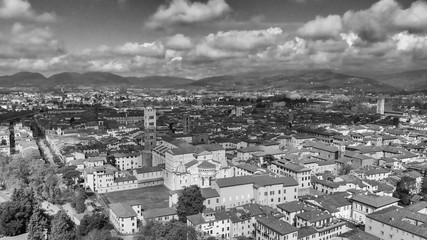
(409, 42)
(233, 44)
(182, 12)
(21, 9)
(287, 51)
(385, 18)
(372, 24)
(412, 19)
(30, 42)
(385, 36)
(322, 28)
(179, 42)
(349, 38)
(243, 40)
(377, 23)
(153, 49)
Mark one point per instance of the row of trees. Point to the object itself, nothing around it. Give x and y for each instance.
(61, 227)
(32, 182)
(21, 173)
(173, 230)
(23, 214)
(15, 214)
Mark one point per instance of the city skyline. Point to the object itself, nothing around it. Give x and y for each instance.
(206, 38)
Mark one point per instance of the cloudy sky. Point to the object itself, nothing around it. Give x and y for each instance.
(212, 37)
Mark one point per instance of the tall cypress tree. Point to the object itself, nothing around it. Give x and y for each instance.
(62, 228)
(38, 225)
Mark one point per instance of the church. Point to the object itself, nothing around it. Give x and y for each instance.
(186, 164)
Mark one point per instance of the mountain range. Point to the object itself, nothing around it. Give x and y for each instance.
(278, 79)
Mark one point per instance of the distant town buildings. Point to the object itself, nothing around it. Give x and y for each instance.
(318, 178)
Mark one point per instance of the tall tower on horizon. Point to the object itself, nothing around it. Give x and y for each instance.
(239, 111)
(186, 123)
(380, 106)
(149, 128)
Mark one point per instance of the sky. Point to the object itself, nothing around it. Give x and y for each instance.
(197, 39)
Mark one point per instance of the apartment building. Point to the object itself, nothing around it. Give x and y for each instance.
(123, 218)
(363, 205)
(268, 228)
(299, 173)
(399, 223)
(260, 189)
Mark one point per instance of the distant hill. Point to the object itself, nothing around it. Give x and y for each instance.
(92, 79)
(89, 79)
(292, 80)
(23, 79)
(277, 79)
(410, 80)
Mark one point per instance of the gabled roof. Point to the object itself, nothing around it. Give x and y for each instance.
(358, 234)
(314, 216)
(306, 231)
(374, 200)
(397, 217)
(211, 147)
(250, 149)
(122, 210)
(291, 166)
(259, 180)
(158, 212)
(281, 227)
(206, 165)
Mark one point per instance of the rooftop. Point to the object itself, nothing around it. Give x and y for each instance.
(260, 180)
(401, 218)
(122, 210)
(294, 206)
(314, 216)
(158, 212)
(291, 166)
(281, 227)
(374, 200)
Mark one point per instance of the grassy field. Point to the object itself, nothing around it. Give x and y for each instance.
(149, 197)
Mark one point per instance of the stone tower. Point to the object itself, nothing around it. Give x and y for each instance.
(150, 128)
(380, 106)
(186, 123)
